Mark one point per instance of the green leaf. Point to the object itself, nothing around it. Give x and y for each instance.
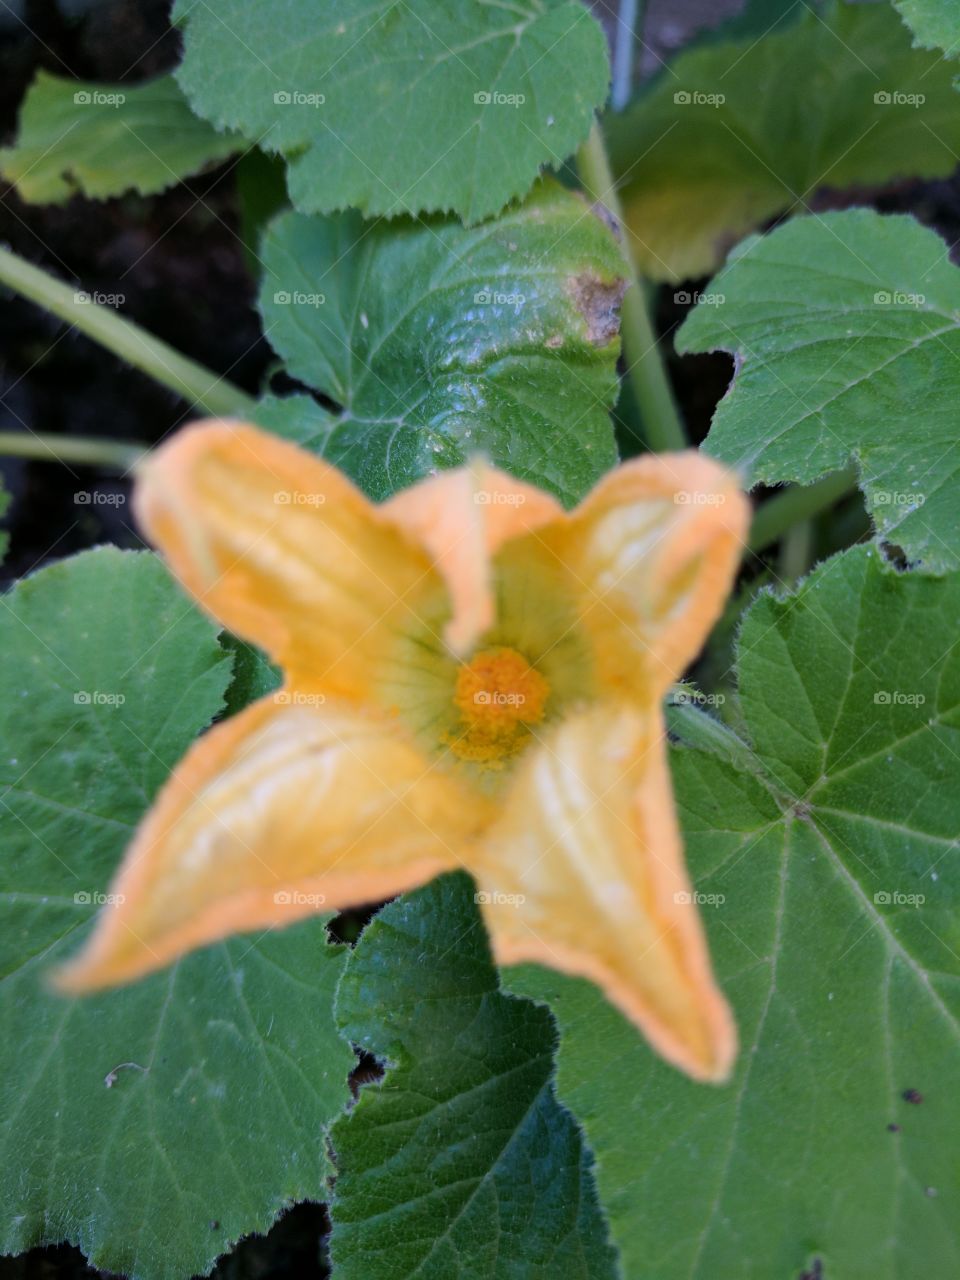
(419, 107)
(254, 675)
(154, 1125)
(846, 333)
(104, 139)
(740, 131)
(934, 23)
(846, 989)
(438, 342)
(461, 1162)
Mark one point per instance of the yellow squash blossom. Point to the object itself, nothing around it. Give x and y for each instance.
(472, 678)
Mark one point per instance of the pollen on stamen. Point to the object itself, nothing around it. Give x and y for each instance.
(499, 695)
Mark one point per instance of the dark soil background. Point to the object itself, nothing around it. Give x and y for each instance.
(179, 262)
(176, 258)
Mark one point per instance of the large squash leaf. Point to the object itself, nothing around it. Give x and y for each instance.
(935, 23)
(846, 334)
(736, 132)
(462, 1162)
(825, 853)
(392, 108)
(437, 341)
(154, 1125)
(101, 140)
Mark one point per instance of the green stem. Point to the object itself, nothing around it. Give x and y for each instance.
(645, 367)
(125, 339)
(796, 551)
(85, 450)
(776, 516)
(629, 21)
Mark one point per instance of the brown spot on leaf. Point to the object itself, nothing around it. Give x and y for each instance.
(913, 1096)
(599, 304)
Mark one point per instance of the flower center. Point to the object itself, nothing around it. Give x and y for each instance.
(498, 695)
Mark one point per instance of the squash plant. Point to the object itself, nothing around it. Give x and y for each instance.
(650, 801)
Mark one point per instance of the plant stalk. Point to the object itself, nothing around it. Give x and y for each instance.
(629, 18)
(799, 502)
(191, 381)
(645, 367)
(796, 551)
(85, 450)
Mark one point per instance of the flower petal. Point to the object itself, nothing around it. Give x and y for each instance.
(282, 549)
(280, 812)
(652, 553)
(462, 517)
(584, 872)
